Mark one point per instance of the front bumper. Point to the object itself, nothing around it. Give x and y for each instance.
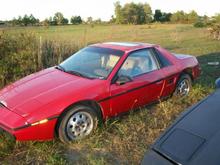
(17, 126)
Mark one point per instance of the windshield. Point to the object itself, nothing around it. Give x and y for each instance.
(92, 62)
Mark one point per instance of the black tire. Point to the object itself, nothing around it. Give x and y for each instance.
(72, 126)
(182, 93)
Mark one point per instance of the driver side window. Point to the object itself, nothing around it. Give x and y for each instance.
(139, 62)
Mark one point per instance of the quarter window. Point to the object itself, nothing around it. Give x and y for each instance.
(163, 61)
(139, 62)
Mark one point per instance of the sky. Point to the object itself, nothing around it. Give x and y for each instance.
(97, 8)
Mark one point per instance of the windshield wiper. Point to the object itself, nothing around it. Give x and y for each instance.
(59, 67)
(78, 74)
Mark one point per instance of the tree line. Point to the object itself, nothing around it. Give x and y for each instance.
(30, 20)
(141, 13)
(57, 19)
(130, 13)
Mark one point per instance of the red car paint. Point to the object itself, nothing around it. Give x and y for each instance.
(46, 94)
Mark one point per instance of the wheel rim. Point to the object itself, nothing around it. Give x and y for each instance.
(79, 125)
(183, 88)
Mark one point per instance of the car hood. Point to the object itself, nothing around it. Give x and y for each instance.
(194, 137)
(40, 89)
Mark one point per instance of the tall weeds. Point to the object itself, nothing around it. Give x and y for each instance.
(54, 52)
(25, 53)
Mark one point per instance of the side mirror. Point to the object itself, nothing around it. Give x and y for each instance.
(217, 83)
(123, 79)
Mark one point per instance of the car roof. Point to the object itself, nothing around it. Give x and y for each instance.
(124, 46)
(194, 137)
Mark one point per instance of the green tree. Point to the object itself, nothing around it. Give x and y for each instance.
(59, 19)
(75, 20)
(141, 15)
(33, 20)
(148, 13)
(65, 21)
(112, 20)
(51, 21)
(25, 20)
(206, 19)
(192, 17)
(179, 17)
(45, 22)
(157, 15)
(89, 20)
(19, 20)
(162, 16)
(132, 13)
(118, 13)
(165, 17)
(2, 22)
(135, 14)
(15, 21)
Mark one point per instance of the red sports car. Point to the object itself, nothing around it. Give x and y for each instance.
(97, 82)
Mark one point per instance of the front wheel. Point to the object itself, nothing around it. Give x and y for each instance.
(77, 123)
(184, 86)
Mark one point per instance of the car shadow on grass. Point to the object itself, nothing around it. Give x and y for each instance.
(209, 72)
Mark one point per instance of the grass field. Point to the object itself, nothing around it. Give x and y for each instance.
(123, 140)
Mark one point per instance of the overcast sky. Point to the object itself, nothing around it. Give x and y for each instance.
(97, 8)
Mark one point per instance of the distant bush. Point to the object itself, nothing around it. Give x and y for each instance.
(214, 31)
(199, 24)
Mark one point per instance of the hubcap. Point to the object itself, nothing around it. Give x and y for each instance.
(79, 125)
(183, 88)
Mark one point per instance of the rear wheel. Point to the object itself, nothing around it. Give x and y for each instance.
(77, 123)
(184, 86)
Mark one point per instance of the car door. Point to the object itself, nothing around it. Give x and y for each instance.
(170, 72)
(145, 86)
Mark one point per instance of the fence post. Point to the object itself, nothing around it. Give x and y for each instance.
(40, 53)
